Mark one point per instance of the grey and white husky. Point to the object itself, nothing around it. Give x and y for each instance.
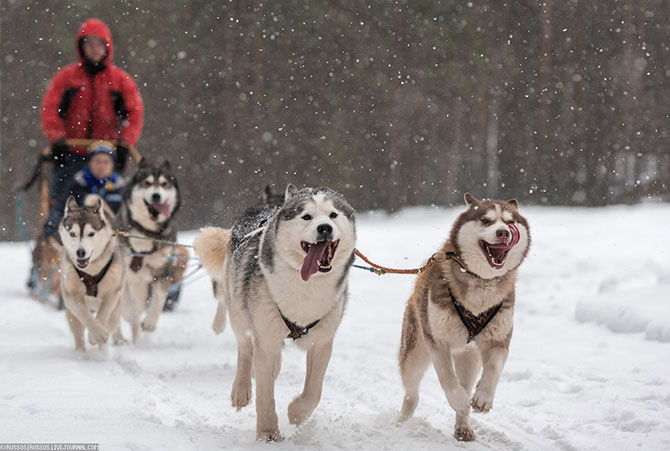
(92, 273)
(283, 275)
(460, 315)
(147, 215)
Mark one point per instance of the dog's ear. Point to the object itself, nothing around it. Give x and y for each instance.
(143, 163)
(166, 165)
(513, 203)
(71, 204)
(291, 191)
(97, 206)
(470, 199)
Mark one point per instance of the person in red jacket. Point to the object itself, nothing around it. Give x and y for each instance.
(92, 99)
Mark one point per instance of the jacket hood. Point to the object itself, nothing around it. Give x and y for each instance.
(98, 28)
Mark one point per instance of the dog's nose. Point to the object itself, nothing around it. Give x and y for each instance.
(324, 230)
(156, 198)
(81, 253)
(502, 234)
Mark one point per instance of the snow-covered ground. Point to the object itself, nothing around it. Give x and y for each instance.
(588, 367)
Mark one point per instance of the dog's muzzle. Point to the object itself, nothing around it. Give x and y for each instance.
(319, 257)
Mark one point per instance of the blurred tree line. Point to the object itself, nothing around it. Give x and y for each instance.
(393, 103)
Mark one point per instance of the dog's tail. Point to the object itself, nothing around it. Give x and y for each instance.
(211, 246)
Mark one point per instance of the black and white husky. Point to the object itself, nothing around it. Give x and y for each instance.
(92, 271)
(283, 275)
(147, 216)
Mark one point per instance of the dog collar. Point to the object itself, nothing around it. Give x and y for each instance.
(474, 323)
(296, 331)
(91, 282)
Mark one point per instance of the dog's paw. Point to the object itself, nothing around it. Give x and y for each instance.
(97, 335)
(119, 340)
(241, 394)
(464, 433)
(269, 436)
(148, 325)
(482, 401)
(299, 410)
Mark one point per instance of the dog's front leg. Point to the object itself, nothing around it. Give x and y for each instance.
(494, 356)
(134, 301)
(265, 357)
(77, 329)
(107, 306)
(97, 334)
(456, 396)
(159, 291)
(302, 407)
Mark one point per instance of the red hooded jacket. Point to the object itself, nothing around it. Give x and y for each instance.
(105, 105)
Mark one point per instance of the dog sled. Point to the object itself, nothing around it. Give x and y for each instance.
(44, 283)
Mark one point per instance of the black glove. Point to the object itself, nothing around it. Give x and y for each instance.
(60, 152)
(122, 152)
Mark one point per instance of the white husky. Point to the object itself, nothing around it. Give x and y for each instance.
(284, 275)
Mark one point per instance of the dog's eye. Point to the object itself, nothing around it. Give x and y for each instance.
(73, 234)
(486, 221)
(333, 215)
(91, 233)
(147, 183)
(164, 185)
(307, 217)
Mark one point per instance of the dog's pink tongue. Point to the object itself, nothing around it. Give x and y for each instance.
(516, 235)
(310, 265)
(163, 208)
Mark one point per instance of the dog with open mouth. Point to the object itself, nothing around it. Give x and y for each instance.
(460, 315)
(92, 271)
(146, 219)
(282, 272)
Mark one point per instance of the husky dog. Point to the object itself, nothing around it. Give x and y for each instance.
(44, 281)
(459, 316)
(284, 275)
(92, 273)
(147, 213)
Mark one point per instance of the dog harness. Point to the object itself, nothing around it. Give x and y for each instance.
(474, 323)
(137, 260)
(296, 331)
(92, 282)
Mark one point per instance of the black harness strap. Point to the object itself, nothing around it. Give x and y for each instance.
(474, 323)
(296, 330)
(92, 282)
(137, 261)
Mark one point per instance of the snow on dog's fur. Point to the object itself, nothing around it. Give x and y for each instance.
(492, 239)
(284, 276)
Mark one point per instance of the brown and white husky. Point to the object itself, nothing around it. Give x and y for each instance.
(460, 315)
